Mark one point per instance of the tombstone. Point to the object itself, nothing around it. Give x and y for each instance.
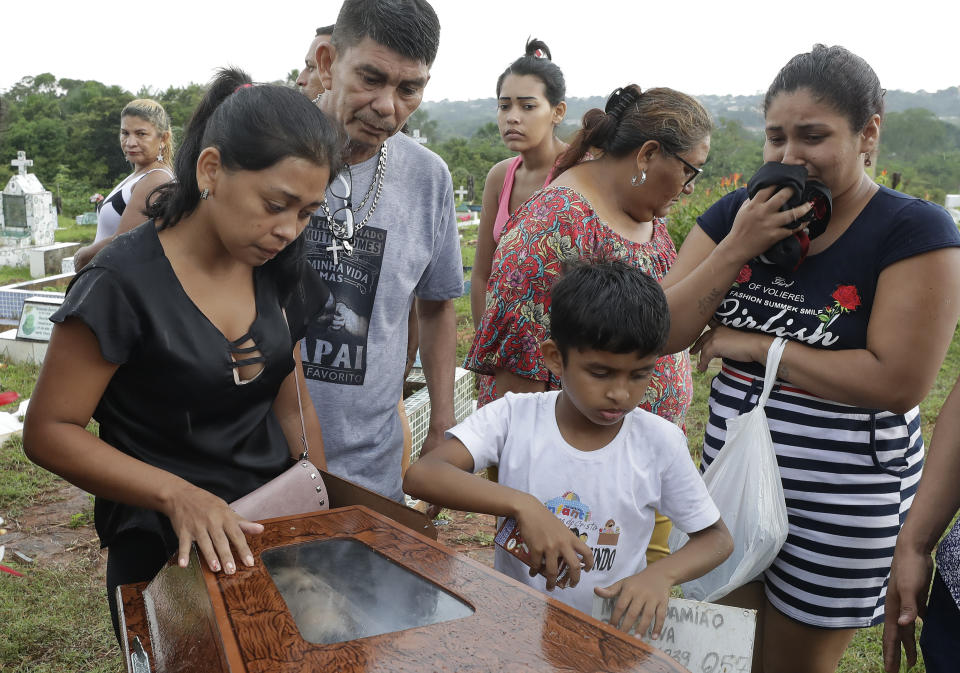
(952, 203)
(461, 192)
(471, 189)
(27, 215)
(351, 590)
(415, 134)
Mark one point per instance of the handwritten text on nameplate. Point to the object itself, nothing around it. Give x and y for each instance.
(703, 637)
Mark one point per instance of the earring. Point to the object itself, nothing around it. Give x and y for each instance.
(205, 193)
(160, 154)
(636, 182)
(866, 161)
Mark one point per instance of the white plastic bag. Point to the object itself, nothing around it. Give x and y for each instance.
(744, 482)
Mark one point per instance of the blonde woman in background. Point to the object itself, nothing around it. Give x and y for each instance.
(147, 143)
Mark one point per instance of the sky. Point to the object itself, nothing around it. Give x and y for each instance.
(698, 47)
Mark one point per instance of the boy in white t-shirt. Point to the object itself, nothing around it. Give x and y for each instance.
(585, 459)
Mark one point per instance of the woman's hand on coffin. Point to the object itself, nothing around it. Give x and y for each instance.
(201, 517)
(552, 545)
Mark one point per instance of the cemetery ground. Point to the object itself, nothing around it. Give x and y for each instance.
(55, 619)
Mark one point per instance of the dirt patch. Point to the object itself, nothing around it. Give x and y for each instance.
(43, 532)
(468, 533)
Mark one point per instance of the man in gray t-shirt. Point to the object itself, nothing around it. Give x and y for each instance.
(393, 238)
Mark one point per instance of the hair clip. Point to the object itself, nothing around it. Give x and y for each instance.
(243, 86)
(620, 100)
(539, 54)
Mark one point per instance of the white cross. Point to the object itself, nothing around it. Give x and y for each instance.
(420, 139)
(21, 162)
(460, 192)
(346, 247)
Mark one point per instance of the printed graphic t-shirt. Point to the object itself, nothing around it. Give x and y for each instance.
(827, 302)
(606, 497)
(354, 357)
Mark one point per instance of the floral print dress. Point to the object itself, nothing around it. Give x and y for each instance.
(558, 225)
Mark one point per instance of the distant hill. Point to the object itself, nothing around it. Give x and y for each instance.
(463, 118)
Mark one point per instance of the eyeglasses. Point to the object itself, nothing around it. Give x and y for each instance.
(696, 171)
(342, 228)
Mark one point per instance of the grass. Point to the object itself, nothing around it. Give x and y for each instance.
(13, 274)
(23, 483)
(68, 231)
(55, 619)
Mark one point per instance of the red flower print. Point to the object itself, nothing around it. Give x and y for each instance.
(820, 211)
(846, 296)
(744, 274)
(845, 299)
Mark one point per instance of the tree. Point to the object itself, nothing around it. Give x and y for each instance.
(733, 150)
(420, 119)
(913, 133)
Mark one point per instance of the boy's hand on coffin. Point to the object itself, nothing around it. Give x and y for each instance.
(201, 517)
(551, 542)
(640, 597)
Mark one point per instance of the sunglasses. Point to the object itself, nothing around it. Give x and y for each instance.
(340, 189)
(693, 169)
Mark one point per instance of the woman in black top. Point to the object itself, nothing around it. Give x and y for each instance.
(181, 338)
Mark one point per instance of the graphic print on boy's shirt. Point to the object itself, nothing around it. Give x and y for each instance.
(578, 517)
(336, 342)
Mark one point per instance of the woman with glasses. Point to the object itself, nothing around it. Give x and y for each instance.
(182, 336)
(650, 148)
(868, 313)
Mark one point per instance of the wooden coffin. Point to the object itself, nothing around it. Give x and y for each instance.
(386, 599)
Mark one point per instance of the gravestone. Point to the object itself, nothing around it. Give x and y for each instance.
(952, 203)
(27, 215)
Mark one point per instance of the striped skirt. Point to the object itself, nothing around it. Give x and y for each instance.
(849, 475)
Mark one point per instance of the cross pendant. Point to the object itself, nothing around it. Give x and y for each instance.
(336, 247)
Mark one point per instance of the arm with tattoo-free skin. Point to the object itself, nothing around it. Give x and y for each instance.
(445, 476)
(133, 215)
(438, 353)
(641, 599)
(912, 322)
(71, 383)
(936, 503)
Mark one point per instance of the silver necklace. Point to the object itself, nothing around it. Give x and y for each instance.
(344, 234)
